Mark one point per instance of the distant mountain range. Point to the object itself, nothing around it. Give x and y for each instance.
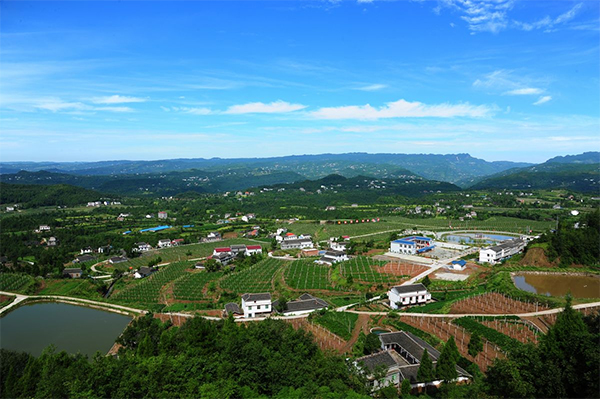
(461, 169)
(575, 172)
(175, 176)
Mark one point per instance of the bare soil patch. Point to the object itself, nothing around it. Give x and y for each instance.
(537, 257)
(401, 269)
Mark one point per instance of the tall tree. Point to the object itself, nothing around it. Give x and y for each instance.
(425, 372)
(475, 344)
(446, 364)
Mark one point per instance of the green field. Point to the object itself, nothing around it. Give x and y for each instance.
(307, 275)
(190, 286)
(176, 254)
(258, 278)
(339, 323)
(148, 290)
(81, 288)
(361, 269)
(14, 282)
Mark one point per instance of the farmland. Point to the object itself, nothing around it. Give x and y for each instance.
(148, 290)
(14, 282)
(258, 278)
(307, 275)
(367, 270)
(179, 253)
(339, 323)
(190, 287)
(494, 303)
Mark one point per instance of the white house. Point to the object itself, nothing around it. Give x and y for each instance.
(52, 242)
(141, 247)
(403, 295)
(223, 250)
(411, 245)
(44, 227)
(162, 215)
(330, 257)
(299, 243)
(338, 246)
(86, 250)
(256, 305)
(164, 243)
(10, 209)
(253, 249)
(501, 251)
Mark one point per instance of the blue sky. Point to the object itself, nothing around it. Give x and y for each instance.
(499, 79)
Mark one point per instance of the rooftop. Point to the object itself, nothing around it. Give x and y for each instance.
(256, 297)
(404, 289)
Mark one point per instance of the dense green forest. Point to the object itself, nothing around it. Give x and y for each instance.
(30, 196)
(575, 245)
(201, 359)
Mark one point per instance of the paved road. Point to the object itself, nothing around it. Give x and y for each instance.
(509, 233)
(449, 315)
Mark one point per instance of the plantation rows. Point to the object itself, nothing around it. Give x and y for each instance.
(189, 287)
(257, 278)
(148, 289)
(361, 268)
(14, 281)
(307, 275)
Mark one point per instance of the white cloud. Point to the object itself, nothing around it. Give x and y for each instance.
(117, 99)
(548, 23)
(481, 16)
(262, 108)
(492, 15)
(542, 100)
(57, 105)
(189, 110)
(364, 1)
(373, 87)
(402, 109)
(524, 91)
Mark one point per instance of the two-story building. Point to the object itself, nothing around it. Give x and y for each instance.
(504, 250)
(411, 245)
(403, 295)
(256, 305)
(164, 243)
(299, 243)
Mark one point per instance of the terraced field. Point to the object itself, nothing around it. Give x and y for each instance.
(190, 286)
(257, 278)
(147, 290)
(14, 282)
(365, 270)
(307, 275)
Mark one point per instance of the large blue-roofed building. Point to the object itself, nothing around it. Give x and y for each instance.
(412, 245)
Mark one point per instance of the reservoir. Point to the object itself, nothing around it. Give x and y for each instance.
(580, 286)
(31, 328)
(476, 238)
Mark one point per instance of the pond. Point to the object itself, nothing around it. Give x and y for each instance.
(472, 238)
(379, 331)
(580, 286)
(31, 328)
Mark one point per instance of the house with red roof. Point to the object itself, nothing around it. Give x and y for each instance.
(223, 250)
(253, 249)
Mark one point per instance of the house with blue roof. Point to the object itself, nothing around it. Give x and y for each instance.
(412, 245)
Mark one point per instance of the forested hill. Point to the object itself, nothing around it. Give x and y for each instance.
(407, 185)
(580, 177)
(451, 168)
(29, 195)
(154, 184)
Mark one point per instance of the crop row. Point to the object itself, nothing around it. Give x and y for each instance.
(361, 268)
(503, 341)
(257, 278)
(190, 286)
(14, 281)
(307, 275)
(148, 289)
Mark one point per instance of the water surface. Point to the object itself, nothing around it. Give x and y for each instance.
(580, 286)
(31, 328)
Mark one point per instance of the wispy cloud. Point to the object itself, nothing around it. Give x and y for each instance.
(481, 16)
(189, 110)
(402, 109)
(493, 16)
(526, 91)
(275, 107)
(547, 23)
(373, 87)
(117, 99)
(57, 105)
(542, 100)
